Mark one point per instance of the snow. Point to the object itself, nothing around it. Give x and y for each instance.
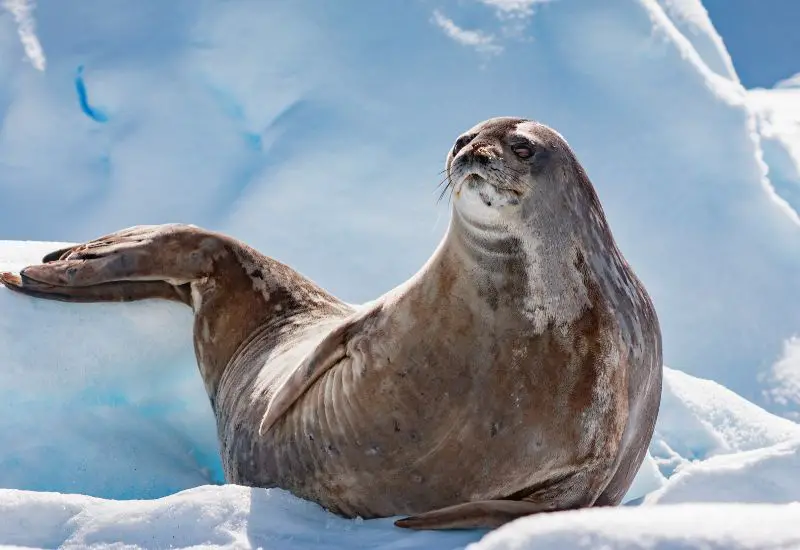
(113, 392)
(777, 116)
(700, 419)
(785, 376)
(227, 516)
(277, 126)
(684, 527)
(129, 421)
(761, 475)
(236, 517)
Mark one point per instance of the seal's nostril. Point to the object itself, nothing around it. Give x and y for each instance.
(482, 152)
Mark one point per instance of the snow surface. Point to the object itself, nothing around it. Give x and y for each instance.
(106, 435)
(684, 527)
(236, 517)
(112, 391)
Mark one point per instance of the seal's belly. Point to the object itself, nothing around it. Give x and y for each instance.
(394, 444)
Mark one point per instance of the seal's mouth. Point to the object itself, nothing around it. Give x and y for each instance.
(489, 180)
(486, 187)
(474, 181)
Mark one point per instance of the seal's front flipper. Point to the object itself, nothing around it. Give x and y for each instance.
(137, 230)
(331, 351)
(133, 264)
(484, 514)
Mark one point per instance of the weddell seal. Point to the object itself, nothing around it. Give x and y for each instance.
(519, 371)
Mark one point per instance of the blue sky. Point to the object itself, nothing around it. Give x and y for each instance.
(762, 36)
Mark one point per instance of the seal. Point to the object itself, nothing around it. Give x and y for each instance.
(517, 372)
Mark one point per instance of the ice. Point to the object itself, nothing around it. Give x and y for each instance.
(110, 391)
(315, 133)
(237, 517)
(679, 527)
(699, 419)
(206, 516)
(760, 475)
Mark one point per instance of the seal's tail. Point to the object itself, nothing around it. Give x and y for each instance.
(138, 263)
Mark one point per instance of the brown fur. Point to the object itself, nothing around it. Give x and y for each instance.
(459, 398)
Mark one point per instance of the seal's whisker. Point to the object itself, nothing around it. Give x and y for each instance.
(514, 179)
(444, 180)
(445, 185)
(448, 187)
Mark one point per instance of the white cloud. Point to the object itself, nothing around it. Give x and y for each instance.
(513, 8)
(22, 10)
(514, 15)
(484, 43)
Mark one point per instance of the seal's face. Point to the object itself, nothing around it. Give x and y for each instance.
(496, 166)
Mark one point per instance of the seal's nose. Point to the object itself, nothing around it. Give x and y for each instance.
(483, 152)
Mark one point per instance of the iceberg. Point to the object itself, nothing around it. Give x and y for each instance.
(315, 132)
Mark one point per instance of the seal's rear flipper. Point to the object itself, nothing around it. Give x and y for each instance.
(133, 264)
(485, 514)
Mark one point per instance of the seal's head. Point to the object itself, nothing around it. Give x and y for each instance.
(505, 168)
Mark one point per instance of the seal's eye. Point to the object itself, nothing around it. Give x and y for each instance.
(522, 151)
(461, 142)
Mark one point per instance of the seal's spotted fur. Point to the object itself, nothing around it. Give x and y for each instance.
(519, 371)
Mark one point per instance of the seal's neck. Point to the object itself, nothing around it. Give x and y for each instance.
(535, 275)
(485, 246)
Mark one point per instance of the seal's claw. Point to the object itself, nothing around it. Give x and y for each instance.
(30, 287)
(23, 285)
(57, 254)
(10, 279)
